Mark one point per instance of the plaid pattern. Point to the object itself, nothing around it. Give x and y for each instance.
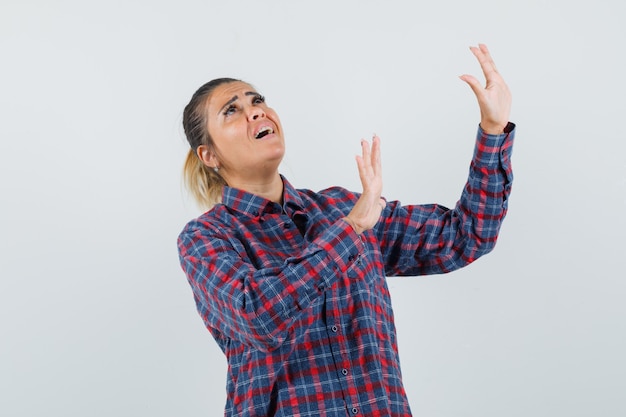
(299, 303)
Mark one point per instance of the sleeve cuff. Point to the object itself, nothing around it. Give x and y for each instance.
(343, 246)
(489, 148)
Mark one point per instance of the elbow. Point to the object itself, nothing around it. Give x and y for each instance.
(481, 237)
(479, 247)
(263, 332)
(241, 326)
(267, 339)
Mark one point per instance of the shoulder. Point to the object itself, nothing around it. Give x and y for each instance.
(210, 222)
(208, 234)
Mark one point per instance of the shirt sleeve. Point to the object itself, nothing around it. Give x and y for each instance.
(259, 307)
(432, 239)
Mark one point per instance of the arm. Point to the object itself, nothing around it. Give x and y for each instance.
(258, 307)
(431, 239)
(494, 101)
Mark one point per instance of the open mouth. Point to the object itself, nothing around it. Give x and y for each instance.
(264, 132)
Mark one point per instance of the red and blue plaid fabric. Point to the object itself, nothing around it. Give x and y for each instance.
(298, 301)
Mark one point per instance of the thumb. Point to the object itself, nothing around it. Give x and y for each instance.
(473, 83)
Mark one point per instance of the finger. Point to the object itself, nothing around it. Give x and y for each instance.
(362, 171)
(489, 60)
(474, 84)
(484, 57)
(364, 164)
(376, 160)
(485, 51)
(486, 62)
(367, 156)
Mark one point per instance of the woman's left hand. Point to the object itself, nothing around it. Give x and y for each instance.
(494, 99)
(366, 212)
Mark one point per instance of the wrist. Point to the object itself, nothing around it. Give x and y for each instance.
(352, 224)
(492, 128)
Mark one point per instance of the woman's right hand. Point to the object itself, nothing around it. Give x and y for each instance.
(366, 212)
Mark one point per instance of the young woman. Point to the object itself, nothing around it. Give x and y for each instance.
(291, 283)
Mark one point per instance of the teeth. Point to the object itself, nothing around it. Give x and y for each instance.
(264, 131)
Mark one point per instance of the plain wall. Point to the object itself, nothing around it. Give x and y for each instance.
(96, 316)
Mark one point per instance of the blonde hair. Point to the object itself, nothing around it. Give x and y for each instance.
(204, 184)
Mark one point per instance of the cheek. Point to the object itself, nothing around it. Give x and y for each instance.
(274, 116)
(226, 135)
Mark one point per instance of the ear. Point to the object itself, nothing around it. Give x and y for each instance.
(207, 156)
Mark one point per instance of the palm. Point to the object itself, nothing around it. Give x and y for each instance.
(494, 99)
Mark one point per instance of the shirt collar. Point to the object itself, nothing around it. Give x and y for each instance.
(253, 205)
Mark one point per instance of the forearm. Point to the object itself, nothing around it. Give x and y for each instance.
(431, 239)
(484, 202)
(259, 306)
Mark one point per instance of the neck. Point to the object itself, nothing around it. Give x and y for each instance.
(269, 188)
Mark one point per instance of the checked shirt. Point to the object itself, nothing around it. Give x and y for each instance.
(298, 302)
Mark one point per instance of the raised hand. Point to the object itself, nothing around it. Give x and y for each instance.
(494, 99)
(366, 211)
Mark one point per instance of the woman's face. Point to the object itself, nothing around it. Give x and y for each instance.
(247, 134)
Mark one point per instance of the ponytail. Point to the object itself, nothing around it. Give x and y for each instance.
(203, 182)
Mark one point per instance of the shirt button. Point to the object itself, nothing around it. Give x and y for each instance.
(355, 410)
(334, 329)
(344, 371)
(287, 225)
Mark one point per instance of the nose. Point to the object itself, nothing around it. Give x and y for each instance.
(255, 113)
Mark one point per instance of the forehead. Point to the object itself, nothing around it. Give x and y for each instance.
(225, 92)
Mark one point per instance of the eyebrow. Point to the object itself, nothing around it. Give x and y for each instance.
(235, 98)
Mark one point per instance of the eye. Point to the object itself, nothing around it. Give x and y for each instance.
(230, 110)
(258, 99)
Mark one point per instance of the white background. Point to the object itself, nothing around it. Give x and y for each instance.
(96, 316)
